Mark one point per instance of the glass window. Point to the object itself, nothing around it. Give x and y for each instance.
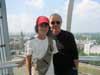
(21, 17)
(85, 25)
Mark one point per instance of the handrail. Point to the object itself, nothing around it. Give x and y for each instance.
(89, 58)
(14, 62)
(3, 66)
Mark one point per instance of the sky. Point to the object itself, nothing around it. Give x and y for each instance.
(21, 14)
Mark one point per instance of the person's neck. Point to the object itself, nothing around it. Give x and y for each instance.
(57, 33)
(41, 37)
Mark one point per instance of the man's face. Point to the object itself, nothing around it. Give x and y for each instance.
(55, 24)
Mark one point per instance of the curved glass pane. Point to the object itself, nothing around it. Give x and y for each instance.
(21, 17)
(85, 25)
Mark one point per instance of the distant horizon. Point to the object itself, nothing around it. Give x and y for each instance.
(72, 32)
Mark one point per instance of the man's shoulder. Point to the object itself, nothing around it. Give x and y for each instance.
(67, 33)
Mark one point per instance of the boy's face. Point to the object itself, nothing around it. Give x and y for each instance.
(43, 28)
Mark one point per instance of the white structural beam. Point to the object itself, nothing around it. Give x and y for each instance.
(4, 39)
(69, 14)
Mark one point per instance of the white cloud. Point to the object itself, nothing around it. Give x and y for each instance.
(87, 6)
(21, 22)
(86, 16)
(35, 3)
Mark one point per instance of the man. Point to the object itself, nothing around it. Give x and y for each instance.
(66, 60)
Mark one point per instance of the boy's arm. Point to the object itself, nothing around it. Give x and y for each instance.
(28, 64)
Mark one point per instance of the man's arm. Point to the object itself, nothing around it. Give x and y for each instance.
(75, 51)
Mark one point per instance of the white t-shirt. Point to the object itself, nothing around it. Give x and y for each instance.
(37, 48)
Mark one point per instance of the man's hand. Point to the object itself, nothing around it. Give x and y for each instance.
(76, 63)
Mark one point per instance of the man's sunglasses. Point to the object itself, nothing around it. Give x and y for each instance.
(44, 25)
(56, 22)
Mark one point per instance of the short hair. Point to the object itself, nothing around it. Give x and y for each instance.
(56, 14)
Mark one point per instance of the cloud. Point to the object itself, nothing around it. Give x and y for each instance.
(22, 22)
(35, 3)
(86, 6)
(86, 16)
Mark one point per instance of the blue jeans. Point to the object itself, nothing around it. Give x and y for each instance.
(74, 71)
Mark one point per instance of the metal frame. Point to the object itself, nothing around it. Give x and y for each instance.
(69, 14)
(4, 48)
(4, 39)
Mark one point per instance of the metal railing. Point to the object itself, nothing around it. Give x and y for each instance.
(13, 63)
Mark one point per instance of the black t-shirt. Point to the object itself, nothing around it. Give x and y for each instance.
(67, 51)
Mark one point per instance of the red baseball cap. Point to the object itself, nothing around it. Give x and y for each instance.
(42, 19)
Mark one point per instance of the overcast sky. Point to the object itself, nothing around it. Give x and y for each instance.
(21, 14)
